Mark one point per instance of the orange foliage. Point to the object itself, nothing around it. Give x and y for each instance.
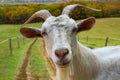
(19, 13)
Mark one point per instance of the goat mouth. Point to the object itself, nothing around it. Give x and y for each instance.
(63, 65)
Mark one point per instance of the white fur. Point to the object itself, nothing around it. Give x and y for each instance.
(103, 63)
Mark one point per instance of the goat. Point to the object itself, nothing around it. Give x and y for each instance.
(70, 57)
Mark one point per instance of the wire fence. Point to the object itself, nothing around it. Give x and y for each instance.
(12, 43)
(90, 41)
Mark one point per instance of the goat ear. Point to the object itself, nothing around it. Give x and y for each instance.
(30, 32)
(86, 24)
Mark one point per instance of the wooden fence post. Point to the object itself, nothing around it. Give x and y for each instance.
(10, 46)
(106, 41)
(18, 42)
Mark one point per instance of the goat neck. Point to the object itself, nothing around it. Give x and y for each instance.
(85, 64)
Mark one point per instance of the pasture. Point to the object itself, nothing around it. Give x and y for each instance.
(104, 27)
(10, 65)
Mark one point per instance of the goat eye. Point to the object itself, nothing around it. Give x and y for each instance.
(44, 33)
(74, 29)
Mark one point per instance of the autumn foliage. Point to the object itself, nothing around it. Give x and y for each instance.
(19, 13)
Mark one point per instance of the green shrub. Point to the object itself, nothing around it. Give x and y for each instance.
(19, 13)
(2, 15)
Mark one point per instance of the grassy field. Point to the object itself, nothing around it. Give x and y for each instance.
(9, 65)
(8, 31)
(37, 65)
(104, 27)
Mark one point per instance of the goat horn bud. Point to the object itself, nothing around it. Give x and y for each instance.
(68, 9)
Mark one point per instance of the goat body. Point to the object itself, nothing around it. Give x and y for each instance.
(96, 64)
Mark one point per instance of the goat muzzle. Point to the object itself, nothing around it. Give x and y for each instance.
(61, 53)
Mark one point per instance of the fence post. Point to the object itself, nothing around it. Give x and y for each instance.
(18, 43)
(106, 41)
(10, 46)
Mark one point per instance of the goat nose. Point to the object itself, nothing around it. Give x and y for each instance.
(61, 53)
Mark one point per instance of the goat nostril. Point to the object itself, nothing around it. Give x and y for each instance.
(65, 51)
(61, 53)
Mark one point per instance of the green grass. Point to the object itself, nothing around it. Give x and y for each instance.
(98, 42)
(11, 30)
(37, 65)
(9, 65)
(104, 27)
(8, 31)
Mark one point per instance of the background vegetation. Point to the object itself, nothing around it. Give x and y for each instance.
(18, 13)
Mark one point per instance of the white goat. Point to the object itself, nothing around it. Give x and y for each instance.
(69, 56)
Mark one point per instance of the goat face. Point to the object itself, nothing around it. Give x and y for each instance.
(59, 33)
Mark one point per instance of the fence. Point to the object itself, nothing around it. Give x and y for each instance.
(93, 42)
(90, 41)
(18, 41)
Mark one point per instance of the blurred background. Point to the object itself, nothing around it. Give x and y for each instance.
(17, 11)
